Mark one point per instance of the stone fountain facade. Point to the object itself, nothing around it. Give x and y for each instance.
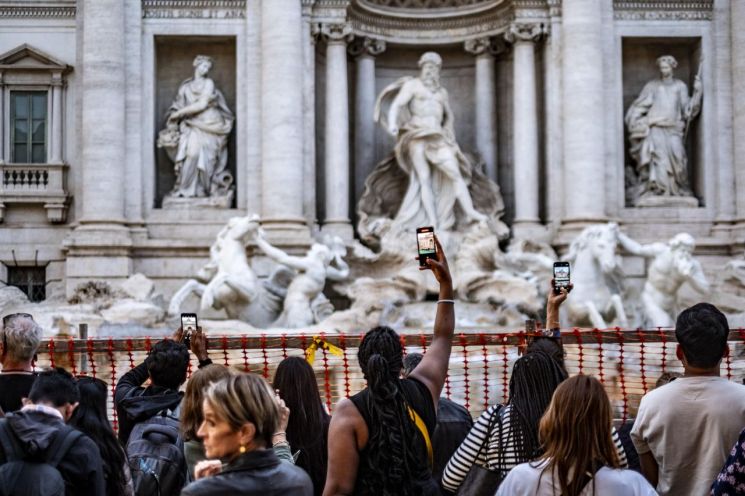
(141, 152)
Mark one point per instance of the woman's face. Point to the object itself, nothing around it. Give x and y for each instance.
(203, 68)
(220, 440)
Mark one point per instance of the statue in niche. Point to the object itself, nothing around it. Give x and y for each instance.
(305, 303)
(672, 266)
(428, 180)
(196, 139)
(658, 122)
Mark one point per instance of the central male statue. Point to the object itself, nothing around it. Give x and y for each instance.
(421, 119)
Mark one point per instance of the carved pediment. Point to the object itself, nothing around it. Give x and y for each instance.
(25, 57)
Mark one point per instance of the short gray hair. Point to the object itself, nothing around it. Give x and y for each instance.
(21, 337)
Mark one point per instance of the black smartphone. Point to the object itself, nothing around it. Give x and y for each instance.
(188, 326)
(425, 242)
(561, 276)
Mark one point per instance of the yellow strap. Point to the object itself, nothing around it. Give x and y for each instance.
(310, 351)
(423, 429)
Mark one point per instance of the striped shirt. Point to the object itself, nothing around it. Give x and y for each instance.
(466, 455)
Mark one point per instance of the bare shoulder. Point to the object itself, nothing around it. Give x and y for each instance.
(346, 413)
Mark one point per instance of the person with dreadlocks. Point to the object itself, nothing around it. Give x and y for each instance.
(507, 435)
(379, 439)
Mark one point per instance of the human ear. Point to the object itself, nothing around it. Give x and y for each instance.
(247, 433)
(679, 353)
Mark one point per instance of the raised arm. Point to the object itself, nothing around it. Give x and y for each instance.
(402, 98)
(636, 248)
(278, 255)
(434, 366)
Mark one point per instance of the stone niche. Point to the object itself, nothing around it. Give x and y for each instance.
(639, 67)
(174, 56)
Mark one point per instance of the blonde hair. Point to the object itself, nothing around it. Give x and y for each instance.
(246, 398)
(579, 401)
(191, 407)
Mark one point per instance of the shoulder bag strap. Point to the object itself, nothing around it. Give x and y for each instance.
(62, 443)
(423, 429)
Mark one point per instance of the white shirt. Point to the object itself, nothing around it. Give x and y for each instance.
(689, 426)
(526, 479)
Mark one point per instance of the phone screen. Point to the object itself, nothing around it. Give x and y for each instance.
(425, 240)
(561, 275)
(188, 323)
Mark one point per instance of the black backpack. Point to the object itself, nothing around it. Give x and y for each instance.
(155, 450)
(20, 475)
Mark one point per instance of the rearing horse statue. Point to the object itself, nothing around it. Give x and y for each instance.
(597, 277)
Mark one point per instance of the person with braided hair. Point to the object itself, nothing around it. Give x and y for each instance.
(379, 439)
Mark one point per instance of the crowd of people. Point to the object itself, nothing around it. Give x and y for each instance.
(225, 432)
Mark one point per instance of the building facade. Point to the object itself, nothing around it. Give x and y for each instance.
(540, 91)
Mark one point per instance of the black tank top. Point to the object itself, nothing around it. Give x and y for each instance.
(420, 399)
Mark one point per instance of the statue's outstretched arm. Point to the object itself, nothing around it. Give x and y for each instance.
(279, 256)
(338, 273)
(636, 248)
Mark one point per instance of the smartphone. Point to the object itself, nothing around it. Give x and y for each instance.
(425, 242)
(188, 326)
(561, 276)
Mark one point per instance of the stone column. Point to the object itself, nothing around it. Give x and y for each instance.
(104, 82)
(336, 172)
(525, 129)
(584, 117)
(99, 248)
(723, 62)
(55, 155)
(553, 105)
(309, 115)
(2, 120)
(485, 93)
(282, 122)
(737, 17)
(364, 50)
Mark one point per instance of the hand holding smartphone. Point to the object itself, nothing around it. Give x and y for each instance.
(425, 241)
(561, 276)
(188, 326)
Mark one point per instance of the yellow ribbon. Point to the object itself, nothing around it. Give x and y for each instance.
(310, 351)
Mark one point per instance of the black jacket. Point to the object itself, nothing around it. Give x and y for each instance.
(258, 473)
(80, 468)
(453, 425)
(135, 403)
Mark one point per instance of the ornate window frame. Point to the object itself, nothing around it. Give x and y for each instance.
(26, 68)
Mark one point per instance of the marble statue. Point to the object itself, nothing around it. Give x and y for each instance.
(228, 283)
(428, 180)
(196, 139)
(597, 277)
(484, 273)
(305, 303)
(658, 122)
(672, 265)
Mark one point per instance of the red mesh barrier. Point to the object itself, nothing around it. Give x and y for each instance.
(627, 362)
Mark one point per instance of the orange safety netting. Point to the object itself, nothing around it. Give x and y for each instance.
(627, 362)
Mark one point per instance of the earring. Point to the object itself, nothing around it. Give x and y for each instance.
(242, 449)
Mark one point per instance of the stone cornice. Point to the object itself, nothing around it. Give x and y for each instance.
(194, 9)
(366, 46)
(64, 9)
(663, 10)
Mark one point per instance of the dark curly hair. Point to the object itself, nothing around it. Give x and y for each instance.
(167, 364)
(392, 462)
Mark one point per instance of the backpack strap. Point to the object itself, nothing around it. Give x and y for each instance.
(423, 429)
(63, 441)
(10, 445)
